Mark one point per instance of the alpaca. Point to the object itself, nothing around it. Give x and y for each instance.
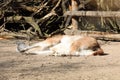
(64, 45)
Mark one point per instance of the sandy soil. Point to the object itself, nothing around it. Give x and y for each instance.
(14, 66)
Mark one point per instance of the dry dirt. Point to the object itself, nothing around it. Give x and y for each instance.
(14, 66)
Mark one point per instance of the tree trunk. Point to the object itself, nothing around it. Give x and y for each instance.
(74, 7)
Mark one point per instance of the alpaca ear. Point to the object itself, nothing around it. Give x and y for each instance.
(99, 51)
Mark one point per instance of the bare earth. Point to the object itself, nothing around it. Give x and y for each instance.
(14, 66)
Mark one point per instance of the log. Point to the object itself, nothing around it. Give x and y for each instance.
(11, 35)
(96, 34)
(93, 13)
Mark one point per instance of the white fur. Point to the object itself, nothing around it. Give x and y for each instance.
(63, 48)
(44, 53)
(85, 52)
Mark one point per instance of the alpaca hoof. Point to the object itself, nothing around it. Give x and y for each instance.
(20, 46)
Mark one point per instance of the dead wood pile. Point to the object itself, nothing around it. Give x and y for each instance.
(44, 18)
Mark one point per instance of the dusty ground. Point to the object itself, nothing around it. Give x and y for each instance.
(14, 66)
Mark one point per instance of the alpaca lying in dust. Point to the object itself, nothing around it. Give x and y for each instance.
(63, 45)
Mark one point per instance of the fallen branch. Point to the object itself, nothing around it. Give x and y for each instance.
(10, 35)
(29, 8)
(40, 8)
(14, 18)
(52, 12)
(6, 3)
(33, 24)
(93, 13)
